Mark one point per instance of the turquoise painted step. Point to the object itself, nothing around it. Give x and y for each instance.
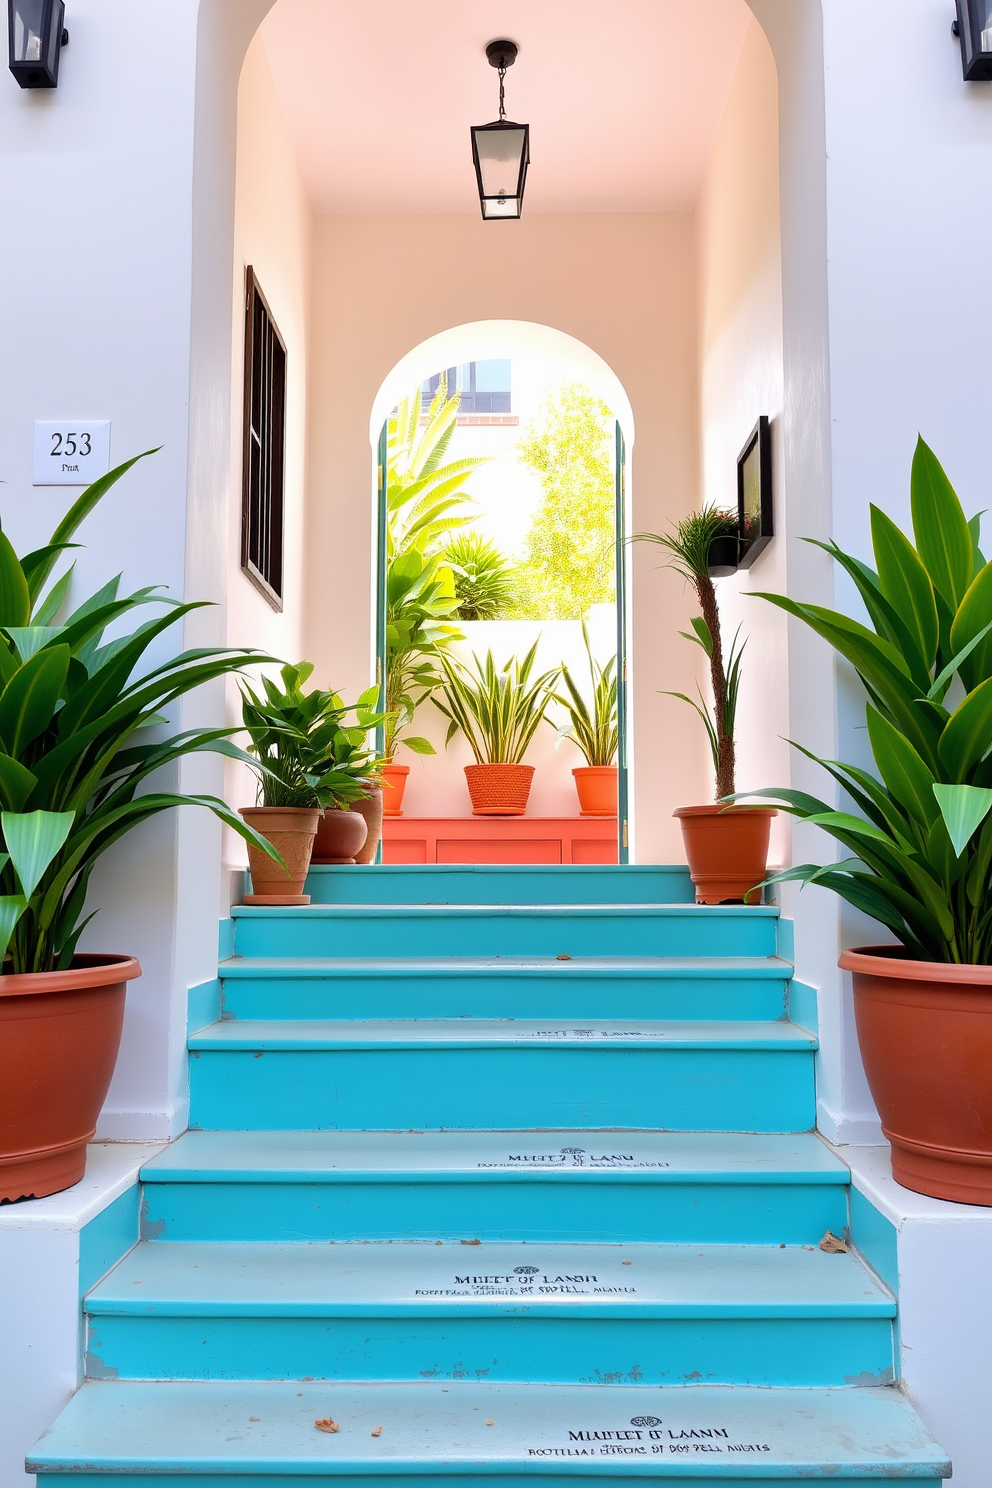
(624, 1186)
(468, 883)
(501, 1435)
(568, 1314)
(753, 989)
(497, 930)
(713, 1076)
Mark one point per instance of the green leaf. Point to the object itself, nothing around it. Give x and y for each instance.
(28, 702)
(939, 689)
(417, 744)
(16, 783)
(943, 538)
(842, 821)
(80, 509)
(905, 583)
(964, 808)
(967, 737)
(15, 600)
(971, 621)
(12, 906)
(31, 638)
(904, 773)
(33, 839)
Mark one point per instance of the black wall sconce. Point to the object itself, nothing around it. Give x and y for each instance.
(973, 28)
(755, 528)
(501, 150)
(36, 35)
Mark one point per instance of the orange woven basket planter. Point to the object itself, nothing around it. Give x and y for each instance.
(499, 790)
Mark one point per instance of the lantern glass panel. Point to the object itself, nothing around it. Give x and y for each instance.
(499, 152)
(984, 27)
(27, 30)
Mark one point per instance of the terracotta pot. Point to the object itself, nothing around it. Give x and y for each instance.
(925, 1030)
(59, 1036)
(340, 835)
(370, 807)
(727, 850)
(499, 790)
(596, 786)
(394, 779)
(291, 830)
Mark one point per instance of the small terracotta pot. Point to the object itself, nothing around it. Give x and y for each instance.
(499, 790)
(291, 830)
(925, 1030)
(59, 1036)
(370, 807)
(340, 835)
(394, 778)
(596, 786)
(727, 851)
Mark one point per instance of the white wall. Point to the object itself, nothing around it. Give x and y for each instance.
(273, 232)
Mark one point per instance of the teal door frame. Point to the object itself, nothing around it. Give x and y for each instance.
(381, 575)
(623, 790)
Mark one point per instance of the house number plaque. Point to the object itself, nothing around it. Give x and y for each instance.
(70, 452)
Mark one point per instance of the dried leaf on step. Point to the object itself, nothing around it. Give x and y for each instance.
(563, 957)
(327, 1425)
(377, 1431)
(490, 1423)
(471, 1242)
(832, 1244)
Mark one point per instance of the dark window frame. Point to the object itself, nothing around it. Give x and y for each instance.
(263, 460)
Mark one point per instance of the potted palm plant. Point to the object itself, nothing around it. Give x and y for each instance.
(726, 845)
(919, 838)
(425, 503)
(81, 730)
(593, 727)
(308, 765)
(499, 712)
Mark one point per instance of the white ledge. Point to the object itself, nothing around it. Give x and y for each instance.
(111, 1167)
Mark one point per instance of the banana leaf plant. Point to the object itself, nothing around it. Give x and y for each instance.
(76, 715)
(594, 729)
(498, 711)
(303, 752)
(921, 837)
(425, 502)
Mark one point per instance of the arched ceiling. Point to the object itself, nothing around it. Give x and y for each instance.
(623, 97)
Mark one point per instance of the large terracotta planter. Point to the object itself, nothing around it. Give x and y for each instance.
(596, 786)
(394, 778)
(291, 830)
(925, 1030)
(370, 807)
(59, 1036)
(499, 790)
(340, 835)
(727, 851)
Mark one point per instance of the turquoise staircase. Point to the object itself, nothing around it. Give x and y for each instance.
(509, 1174)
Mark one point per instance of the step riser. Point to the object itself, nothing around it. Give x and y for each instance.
(503, 1089)
(802, 1352)
(552, 933)
(641, 1468)
(499, 996)
(714, 1213)
(427, 884)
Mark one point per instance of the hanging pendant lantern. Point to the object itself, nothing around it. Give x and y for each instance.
(501, 150)
(36, 35)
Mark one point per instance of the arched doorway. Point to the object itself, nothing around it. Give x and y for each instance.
(548, 358)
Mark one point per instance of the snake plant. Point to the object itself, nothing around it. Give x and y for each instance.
(593, 729)
(498, 711)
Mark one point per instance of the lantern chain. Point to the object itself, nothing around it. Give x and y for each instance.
(502, 103)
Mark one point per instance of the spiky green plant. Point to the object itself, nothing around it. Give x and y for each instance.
(687, 544)
(498, 711)
(73, 710)
(306, 755)
(592, 727)
(922, 845)
(483, 577)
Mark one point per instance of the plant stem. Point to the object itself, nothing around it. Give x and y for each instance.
(726, 762)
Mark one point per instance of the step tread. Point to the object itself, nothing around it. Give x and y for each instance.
(495, 1033)
(702, 912)
(730, 968)
(403, 1278)
(654, 1157)
(268, 1427)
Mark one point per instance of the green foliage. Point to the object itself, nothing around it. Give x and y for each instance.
(499, 712)
(922, 845)
(302, 751)
(687, 546)
(425, 502)
(569, 557)
(74, 710)
(483, 577)
(593, 728)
